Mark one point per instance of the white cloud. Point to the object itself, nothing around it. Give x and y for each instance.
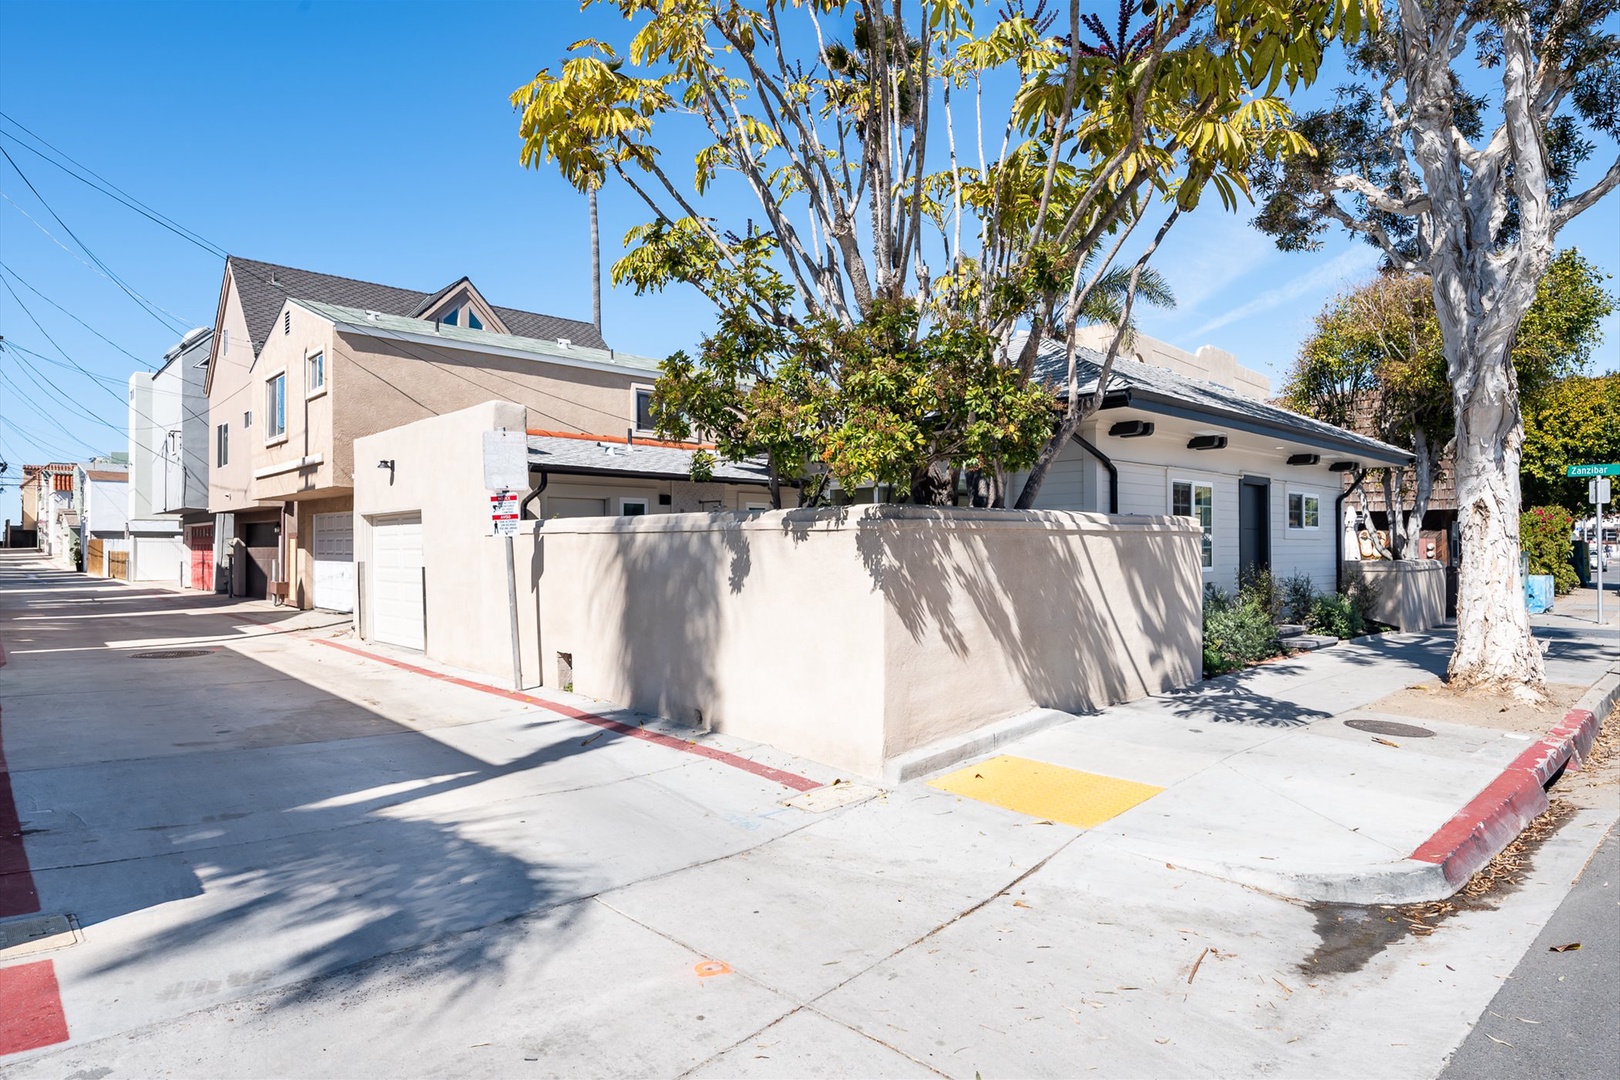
(1347, 267)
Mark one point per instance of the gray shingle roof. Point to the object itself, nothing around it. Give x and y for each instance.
(264, 287)
(1150, 386)
(610, 459)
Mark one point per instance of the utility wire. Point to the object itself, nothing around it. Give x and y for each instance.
(19, 280)
(152, 309)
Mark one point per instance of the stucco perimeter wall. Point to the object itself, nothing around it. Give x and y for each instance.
(1410, 593)
(853, 635)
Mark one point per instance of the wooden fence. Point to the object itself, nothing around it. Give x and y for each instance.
(95, 559)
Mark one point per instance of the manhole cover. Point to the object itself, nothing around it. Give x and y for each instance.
(1391, 728)
(23, 937)
(173, 654)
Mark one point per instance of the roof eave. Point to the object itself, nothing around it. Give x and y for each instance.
(588, 470)
(1154, 401)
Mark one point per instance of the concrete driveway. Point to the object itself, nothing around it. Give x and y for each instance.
(288, 859)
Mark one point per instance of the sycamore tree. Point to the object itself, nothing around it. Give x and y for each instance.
(1455, 151)
(893, 205)
(1376, 361)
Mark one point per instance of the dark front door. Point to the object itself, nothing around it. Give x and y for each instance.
(1254, 526)
(263, 543)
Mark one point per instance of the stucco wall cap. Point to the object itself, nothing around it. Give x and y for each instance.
(886, 516)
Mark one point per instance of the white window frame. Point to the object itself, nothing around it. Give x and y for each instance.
(635, 500)
(1192, 499)
(222, 445)
(313, 389)
(1288, 511)
(273, 433)
(635, 407)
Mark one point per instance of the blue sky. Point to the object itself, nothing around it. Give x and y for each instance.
(376, 141)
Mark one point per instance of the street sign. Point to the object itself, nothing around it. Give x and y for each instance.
(1593, 470)
(503, 513)
(506, 460)
(1597, 490)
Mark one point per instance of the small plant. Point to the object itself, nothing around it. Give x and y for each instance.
(1296, 595)
(1335, 614)
(1545, 534)
(1258, 586)
(1237, 631)
(1363, 592)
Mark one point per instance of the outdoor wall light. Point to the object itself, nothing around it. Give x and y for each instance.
(1132, 429)
(1304, 459)
(1207, 442)
(388, 463)
(1344, 466)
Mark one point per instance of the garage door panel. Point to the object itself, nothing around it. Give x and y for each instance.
(334, 561)
(396, 581)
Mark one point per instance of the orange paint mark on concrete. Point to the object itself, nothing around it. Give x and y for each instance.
(712, 967)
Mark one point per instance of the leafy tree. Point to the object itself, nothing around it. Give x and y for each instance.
(1376, 362)
(842, 182)
(1574, 422)
(1404, 159)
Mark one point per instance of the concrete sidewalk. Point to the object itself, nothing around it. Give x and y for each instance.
(1268, 782)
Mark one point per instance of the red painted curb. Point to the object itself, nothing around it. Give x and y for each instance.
(33, 1015)
(736, 761)
(18, 895)
(1472, 838)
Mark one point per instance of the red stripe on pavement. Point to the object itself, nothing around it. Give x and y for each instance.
(17, 893)
(1496, 815)
(736, 761)
(32, 1015)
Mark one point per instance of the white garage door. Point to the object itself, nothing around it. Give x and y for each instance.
(559, 507)
(396, 576)
(159, 558)
(334, 562)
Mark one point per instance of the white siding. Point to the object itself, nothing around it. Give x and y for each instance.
(1068, 484)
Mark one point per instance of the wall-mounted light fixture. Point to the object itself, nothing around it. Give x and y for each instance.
(1131, 429)
(388, 463)
(1304, 459)
(1207, 442)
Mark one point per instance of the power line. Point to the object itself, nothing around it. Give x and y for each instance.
(18, 278)
(152, 309)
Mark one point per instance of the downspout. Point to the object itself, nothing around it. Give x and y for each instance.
(523, 507)
(1338, 532)
(1113, 473)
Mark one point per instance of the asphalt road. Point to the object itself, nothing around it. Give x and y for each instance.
(1555, 1017)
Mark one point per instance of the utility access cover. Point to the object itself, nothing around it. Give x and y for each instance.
(42, 933)
(173, 654)
(1390, 728)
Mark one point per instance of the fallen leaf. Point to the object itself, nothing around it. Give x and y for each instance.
(1571, 947)
(1386, 742)
(1195, 966)
(1282, 984)
(1020, 903)
(978, 776)
(1522, 1020)
(1161, 1042)
(1494, 1039)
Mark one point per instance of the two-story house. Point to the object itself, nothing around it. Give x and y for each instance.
(171, 531)
(302, 364)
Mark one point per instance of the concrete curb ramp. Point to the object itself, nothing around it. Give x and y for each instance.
(1462, 846)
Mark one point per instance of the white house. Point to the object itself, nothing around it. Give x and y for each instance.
(170, 530)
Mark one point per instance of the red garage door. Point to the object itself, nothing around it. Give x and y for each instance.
(200, 542)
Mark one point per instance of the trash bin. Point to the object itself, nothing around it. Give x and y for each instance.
(1538, 593)
(1582, 558)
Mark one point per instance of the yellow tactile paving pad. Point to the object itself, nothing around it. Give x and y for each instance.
(1046, 791)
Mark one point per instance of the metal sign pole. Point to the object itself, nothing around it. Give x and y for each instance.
(512, 609)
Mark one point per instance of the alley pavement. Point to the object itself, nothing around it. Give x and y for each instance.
(281, 856)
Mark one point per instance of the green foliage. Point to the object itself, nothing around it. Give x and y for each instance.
(1545, 535)
(1335, 614)
(1295, 595)
(1572, 422)
(1238, 631)
(1564, 324)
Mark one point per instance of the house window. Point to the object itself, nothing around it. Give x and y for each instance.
(317, 371)
(644, 417)
(1189, 499)
(1304, 511)
(275, 406)
(222, 445)
(450, 317)
(632, 507)
(473, 321)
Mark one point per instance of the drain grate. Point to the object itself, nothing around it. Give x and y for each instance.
(173, 654)
(1390, 728)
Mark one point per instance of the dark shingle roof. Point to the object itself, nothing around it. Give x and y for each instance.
(264, 287)
(585, 455)
(1149, 384)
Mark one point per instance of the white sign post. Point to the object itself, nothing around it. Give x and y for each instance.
(1597, 490)
(506, 473)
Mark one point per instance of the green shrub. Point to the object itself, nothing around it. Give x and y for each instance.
(1257, 586)
(1296, 594)
(1544, 533)
(1335, 614)
(1237, 631)
(1363, 593)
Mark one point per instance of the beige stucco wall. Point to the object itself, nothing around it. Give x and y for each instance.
(232, 372)
(1409, 595)
(853, 636)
